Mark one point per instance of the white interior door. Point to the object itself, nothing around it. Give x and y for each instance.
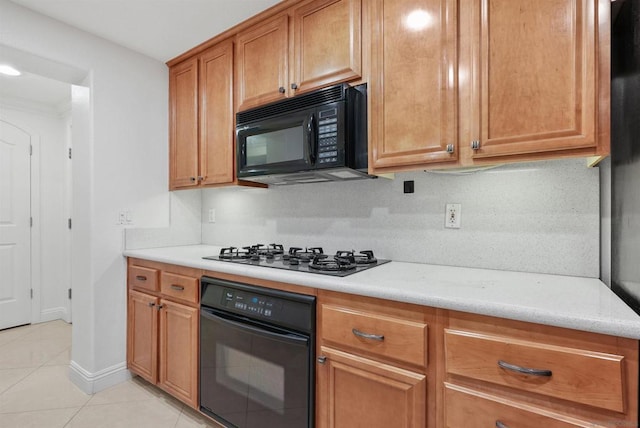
(15, 233)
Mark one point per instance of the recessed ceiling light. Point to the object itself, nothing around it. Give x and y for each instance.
(8, 70)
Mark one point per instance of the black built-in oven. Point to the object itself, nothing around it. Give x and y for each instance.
(257, 349)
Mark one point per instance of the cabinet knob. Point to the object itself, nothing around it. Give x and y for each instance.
(294, 86)
(475, 144)
(500, 424)
(281, 89)
(160, 307)
(322, 359)
(200, 178)
(151, 304)
(450, 148)
(193, 179)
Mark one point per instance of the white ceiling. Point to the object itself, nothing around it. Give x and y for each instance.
(32, 88)
(161, 29)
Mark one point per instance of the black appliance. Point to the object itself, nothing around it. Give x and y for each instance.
(315, 137)
(625, 151)
(310, 259)
(257, 350)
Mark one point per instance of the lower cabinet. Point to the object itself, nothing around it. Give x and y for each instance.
(178, 353)
(359, 392)
(162, 333)
(372, 363)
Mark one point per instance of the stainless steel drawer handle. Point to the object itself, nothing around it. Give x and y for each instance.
(524, 370)
(177, 287)
(141, 277)
(501, 425)
(322, 359)
(358, 333)
(151, 304)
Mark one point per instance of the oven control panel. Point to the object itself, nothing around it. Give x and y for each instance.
(275, 307)
(250, 303)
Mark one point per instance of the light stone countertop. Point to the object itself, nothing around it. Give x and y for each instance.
(571, 302)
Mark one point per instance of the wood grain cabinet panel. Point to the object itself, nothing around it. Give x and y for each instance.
(262, 67)
(142, 333)
(578, 375)
(179, 287)
(202, 149)
(142, 278)
(178, 372)
(365, 393)
(391, 338)
(534, 75)
(473, 409)
(183, 124)
(412, 86)
(217, 132)
(162, 335)
(326, 43)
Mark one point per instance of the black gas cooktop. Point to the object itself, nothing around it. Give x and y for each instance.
(310, 259)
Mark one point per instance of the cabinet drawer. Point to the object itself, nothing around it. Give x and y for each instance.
(385, 336)
(470, 409)
(143, 278)
(578, 375)
(179, 286)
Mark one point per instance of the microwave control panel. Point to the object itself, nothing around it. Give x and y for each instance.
(328, 136)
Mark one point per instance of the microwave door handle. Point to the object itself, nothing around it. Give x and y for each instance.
(311, 138)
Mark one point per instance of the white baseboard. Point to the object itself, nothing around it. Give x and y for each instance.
(54, 314)
(91, 383)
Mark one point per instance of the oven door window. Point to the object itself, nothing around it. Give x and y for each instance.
(276, 146)
(253, 376)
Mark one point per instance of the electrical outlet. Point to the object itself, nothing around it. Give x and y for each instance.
(453, 212)
(212, 215)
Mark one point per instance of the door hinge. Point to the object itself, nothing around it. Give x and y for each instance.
(30, 221)
(32, 293)
(69, 152)
(69, 223)
(69, 294)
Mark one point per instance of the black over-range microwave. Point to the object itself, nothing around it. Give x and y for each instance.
(315, 137)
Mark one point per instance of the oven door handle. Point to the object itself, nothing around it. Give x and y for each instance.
(288, 338)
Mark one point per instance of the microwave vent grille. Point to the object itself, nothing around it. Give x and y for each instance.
(323, 96)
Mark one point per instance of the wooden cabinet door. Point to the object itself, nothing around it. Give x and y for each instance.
(142, 335)
(262, 54)
(183, 124)
(533, 76)
(216, 115)
(326, 43)
(178, 372)
(412, 88)
(357, 392)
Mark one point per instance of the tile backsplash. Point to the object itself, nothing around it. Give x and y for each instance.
(534, 217)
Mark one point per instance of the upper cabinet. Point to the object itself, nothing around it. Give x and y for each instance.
(314, 44)
(458, 83)
(183, 124)
(262, 63)
(532, 73)
(412, 87)
(201, 119)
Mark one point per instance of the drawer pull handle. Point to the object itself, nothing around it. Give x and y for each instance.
(524, 370)
(358, 333)
(177, 287)
(501, 425)
(141, 277)
(322, 359)
(151, 304)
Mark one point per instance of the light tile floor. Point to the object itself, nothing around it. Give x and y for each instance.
(35, 390)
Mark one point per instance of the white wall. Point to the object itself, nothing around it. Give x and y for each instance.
(48, 127)
(536, 217)
(121, 163)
